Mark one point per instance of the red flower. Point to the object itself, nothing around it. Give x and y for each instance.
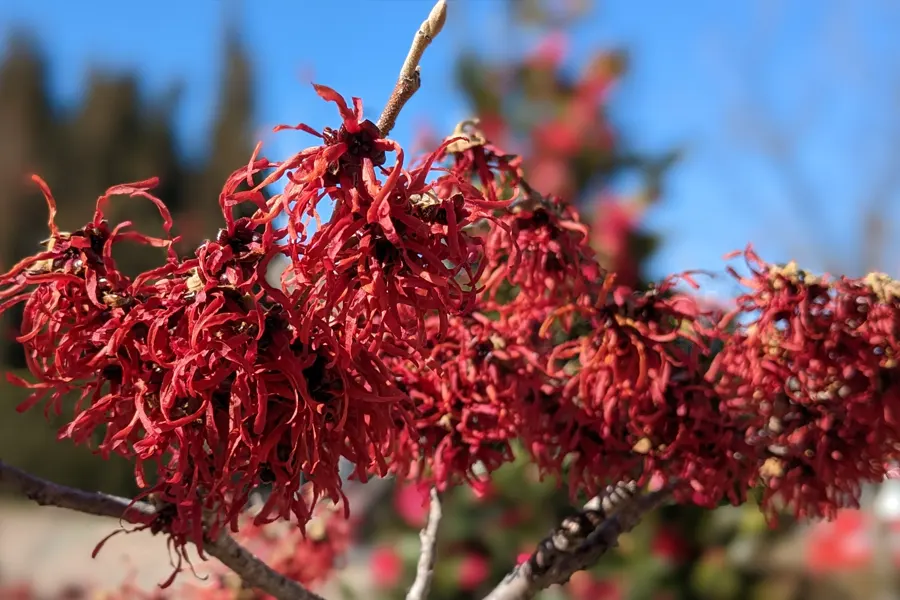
(613, 228)
(840, 545)
(633, 403)
(387, 567)
(199, 369)
(394, 250)
(559, 141)
(474, 569)
(411, 503)
(549, 172)
(584, 586)
(812, 378)
(485, 491)
(475, 158)
(464, 415)
(550, 52)
(550, 255)
(669, 545)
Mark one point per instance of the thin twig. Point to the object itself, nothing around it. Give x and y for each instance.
(579, 541)
(251, 570)
(425, 569)
(410, 78)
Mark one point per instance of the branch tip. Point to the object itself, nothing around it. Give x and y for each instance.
(410, 78)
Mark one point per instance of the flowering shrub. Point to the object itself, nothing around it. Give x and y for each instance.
(448, 319)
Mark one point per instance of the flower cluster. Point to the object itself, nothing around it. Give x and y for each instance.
(547, 251)
(465, 413)
(622, 393)
(393, 250)
(199, 364)
(445, 311)
(216, 382)
(811, 375)
(601, 382)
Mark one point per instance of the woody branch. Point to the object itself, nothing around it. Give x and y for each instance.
(410, 78)
(580, 541)
(251, 570)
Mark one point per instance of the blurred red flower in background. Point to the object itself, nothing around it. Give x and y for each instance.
(386, 566)
(474, 569)
(411, 503)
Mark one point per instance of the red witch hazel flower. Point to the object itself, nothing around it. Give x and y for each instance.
(614, 225)
(411, 504)
(216, 382)
(632, 403)
(386, 566)
(200, 370)
(813, 377)
(394, 250)
(464, 415)
(476, 159)
(546, 255)
(538, 248)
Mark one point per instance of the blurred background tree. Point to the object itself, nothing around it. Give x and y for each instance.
(115, 134)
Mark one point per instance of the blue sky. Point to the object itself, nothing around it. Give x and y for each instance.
(712, 77)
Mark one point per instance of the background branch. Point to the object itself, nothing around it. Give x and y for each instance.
(251, 570)
(425, 568)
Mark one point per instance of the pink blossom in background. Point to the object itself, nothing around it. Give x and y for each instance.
(584, 586)
(559, 137)
(840, 545)
(474, 569)
(411, 503)
(551, 176)
(612, 227)
(387, 567)
(669, 545)
(550, 52)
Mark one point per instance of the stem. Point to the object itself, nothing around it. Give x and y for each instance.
(410, 78)
(251, 570)
(428, 536)
(580, 541)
